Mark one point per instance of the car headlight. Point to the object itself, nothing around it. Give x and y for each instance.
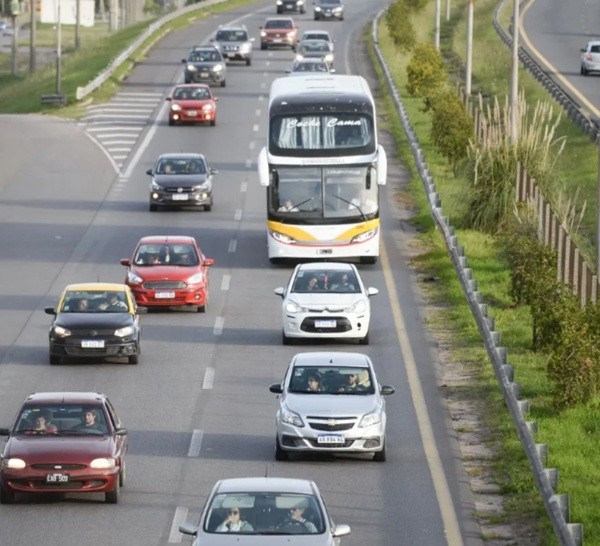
(155, 187)
(292, 307)
(132, 278)
(299, 56)
(370, 419)
(263, 34)
(337, 10)
(358, 307)
(329, 58)
(207, 107)
(282, 238)
(125, 331)
(279, 2)
(299, 2)
(217, 68)
(191, 68)
(291, 34)
(175, 107)
(59, 331)
(14, 464)
(196, 279)
(364, 236)
(245, 48)
(104, 463)
(291, 418)
(317, 8)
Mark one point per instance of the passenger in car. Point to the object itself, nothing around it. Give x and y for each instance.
(295, 523)
(234, 523)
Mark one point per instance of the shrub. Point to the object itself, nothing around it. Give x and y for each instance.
(399, 24)
(426, 73)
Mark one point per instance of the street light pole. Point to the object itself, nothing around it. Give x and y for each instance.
(32, 37)
(514, 91)
(58, 47)
(437, 23)
(469, 49)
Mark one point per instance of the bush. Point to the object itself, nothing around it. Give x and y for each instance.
(399, 25)
(426, 72)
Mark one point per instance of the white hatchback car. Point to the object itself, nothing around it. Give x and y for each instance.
(265, 512)
(331, 402)
(326, 300)
(590, 57)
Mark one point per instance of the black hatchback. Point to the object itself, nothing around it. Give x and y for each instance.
(205, 64)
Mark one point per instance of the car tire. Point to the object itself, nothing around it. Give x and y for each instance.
(201, 308)
(6, 497)
(123, 473)
(207, 208)
(364, 340)
(380, 456)
(286, 340)
(112, 497)
(316, 18)
(188, 80)
(263, 46)
(133, 359)
(248, 62)
(213, 122)
(55, 360)
(280, 454)
(153, 207)
(171, 122)
(223, 83)
(584, 71)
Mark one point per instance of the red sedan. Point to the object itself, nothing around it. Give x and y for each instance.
(192, 103)
(64, 442)
(167, 271)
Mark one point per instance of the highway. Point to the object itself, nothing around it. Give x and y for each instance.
(197, 407)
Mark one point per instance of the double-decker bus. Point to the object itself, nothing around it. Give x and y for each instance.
(322, 168)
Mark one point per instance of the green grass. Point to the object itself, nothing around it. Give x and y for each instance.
(572, 436)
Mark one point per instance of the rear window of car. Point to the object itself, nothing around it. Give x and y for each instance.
(595, 48)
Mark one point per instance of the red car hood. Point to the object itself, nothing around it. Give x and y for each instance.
(60, 449)
(192, 103)
(166, 272)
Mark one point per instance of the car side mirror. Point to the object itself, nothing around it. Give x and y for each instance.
(213, 171)
(169, 98)
(121, 432)
(216, 99)
(141, 310)
(332, 70)
(125, 261)
(341, 530)
(184, 60)
(149, 171)
(372, 291)
(276, 388)
(582, 50)
(209, 261)
(387, 389)
(50, 311)
(280, 291)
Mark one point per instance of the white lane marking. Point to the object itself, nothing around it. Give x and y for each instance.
(209, 379)
(434, 461)
(196, 443)
(244, 187)
(238, 215)
(218, 329)
(225, 282)
(180, 516)
(258, 111)
(252, 145)
(232, 246)
(261, 98)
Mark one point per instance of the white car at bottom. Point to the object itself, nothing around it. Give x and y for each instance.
(331, 402)
(326, 300)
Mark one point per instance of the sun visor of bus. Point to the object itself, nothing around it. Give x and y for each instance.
(263, 168)
(381, 166)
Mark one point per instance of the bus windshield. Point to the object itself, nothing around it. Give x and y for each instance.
(310, 135)
(311, 194)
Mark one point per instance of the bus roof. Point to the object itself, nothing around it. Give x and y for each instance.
(319, 87)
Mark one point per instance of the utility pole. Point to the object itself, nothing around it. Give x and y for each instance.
(58, 47)
(14, 11)
(447, 10)
(437, 23)
(32, 36)
(514, 90)
(77, 24)
(469, 48)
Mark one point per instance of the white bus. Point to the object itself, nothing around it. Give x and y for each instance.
(322, 168)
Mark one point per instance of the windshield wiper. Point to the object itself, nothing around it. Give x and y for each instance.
(351, 204)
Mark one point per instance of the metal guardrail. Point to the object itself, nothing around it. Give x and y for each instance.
(82, 92)
(546, 479)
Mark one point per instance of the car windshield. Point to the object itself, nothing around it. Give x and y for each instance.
(315, 36)
(325, 280)
(338, 380)
(94, 301)
(191, 93)
(317, 46)
(279, 24)
(264, 513)
(181, 165)
(62, 419)
(309, 67)
(232, 36)
(204, 56)
(166, 254)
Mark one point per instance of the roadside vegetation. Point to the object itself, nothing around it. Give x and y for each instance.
(551, 342)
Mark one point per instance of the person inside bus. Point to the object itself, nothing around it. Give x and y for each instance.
(287, 206)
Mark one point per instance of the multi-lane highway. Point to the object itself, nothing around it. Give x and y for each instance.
(73, 201)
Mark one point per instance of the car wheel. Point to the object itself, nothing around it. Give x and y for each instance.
(280, 454)
(55, 360)
(263, 46)
(316, 18)
(286, 340)
(368, 260)
(201, 308)
(171, 122)
(6, 497)
(207, 208)
(584, 71)
(223, 83)
(213, 122)
(133, 359)
(123, 473)
(112, 497)
(380, 456)
(153, 207)
(188, 80)
(248, 62)
(364, 340)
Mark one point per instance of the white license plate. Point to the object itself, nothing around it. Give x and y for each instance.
(328, 15)
(92, 344)
(180, 197)
(164, 295)
(325, 251)
(277, 40)
(325, 324)
(204, 74)
(57, 478)
(192, 113)
(330, 439)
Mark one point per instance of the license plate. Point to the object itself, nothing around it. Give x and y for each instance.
(204, 74)
(179, 197)
(192, 113)
(277, 40)
(164, 295)
(330, 439)
(57, 478)
(325, 324)
(92, 344)
(325, 251)
(328, 15)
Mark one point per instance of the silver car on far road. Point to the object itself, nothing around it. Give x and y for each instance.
(331, 402)
(590, 57)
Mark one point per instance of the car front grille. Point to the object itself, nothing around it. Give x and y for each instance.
(164, 285)
(63, 466)
(342, 324)
(331, 428)
(180, 189)
(74, 350)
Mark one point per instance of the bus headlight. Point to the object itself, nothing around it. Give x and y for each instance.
(281, 238)
(364, 236)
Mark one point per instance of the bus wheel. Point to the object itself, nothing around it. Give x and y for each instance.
(368, 260)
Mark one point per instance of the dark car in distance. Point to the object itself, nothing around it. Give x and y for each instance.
(95, 320)
(205, 64)
(328, 9)
(297, 6)
(54, 447)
